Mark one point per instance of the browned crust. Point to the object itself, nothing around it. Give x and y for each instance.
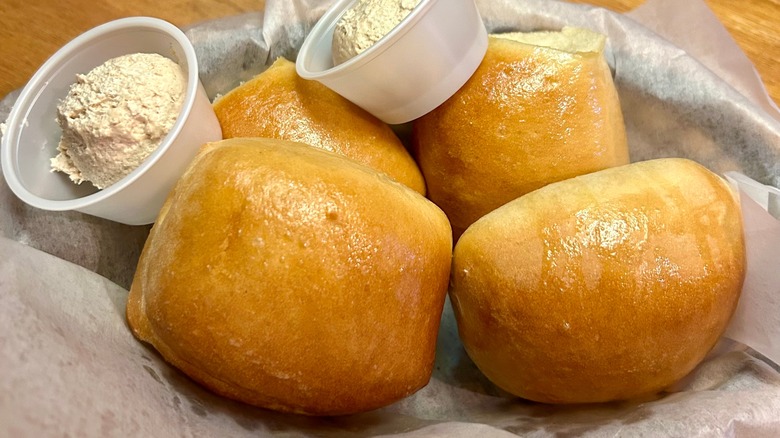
(604, 287)
(294, 279)
(528, 116)
(280, 104)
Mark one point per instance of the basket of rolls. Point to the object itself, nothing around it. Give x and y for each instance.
(576, 240)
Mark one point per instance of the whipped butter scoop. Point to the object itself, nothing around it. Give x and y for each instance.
(116, 115)
(365, 23)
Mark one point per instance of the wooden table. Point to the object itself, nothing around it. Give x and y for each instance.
(31, 31)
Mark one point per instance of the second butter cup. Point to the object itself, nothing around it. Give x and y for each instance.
(413, 69)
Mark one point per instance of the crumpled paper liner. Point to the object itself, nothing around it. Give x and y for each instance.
(69, 365)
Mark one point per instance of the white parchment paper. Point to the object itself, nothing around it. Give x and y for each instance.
(70, 367)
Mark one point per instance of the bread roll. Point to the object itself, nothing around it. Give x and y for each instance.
(294, 279)
(280, 104)
(530, 115)
(608, 286)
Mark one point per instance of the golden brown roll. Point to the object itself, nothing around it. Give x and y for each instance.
(608, 286)
(530, 115)
(294, 279)
(280, 104)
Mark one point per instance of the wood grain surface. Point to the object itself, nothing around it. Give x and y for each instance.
(32, 30)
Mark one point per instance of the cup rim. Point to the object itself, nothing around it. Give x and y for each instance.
(10, 144)
(329, 20)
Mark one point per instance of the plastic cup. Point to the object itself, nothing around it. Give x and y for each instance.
(411, 70)
(32, 133)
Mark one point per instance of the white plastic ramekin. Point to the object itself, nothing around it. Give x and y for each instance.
(410, 71)
(32, 133)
